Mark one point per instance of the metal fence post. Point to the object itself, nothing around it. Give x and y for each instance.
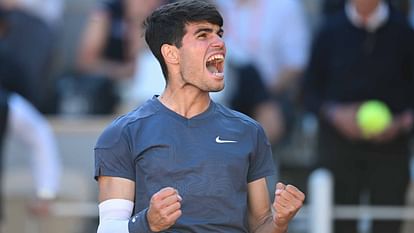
(321, 201)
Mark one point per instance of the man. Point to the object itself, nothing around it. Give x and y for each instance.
(364, 52)
(107, 55)
(180, 162)
(331, 6)
(260, 40)
(34, 53)
(21, 119)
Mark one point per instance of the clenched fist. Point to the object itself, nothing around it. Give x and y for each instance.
(164, 209)
(288, 201)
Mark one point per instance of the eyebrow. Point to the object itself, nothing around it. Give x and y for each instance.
(206, 29)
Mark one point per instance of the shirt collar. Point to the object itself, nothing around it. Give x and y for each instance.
(375, 20)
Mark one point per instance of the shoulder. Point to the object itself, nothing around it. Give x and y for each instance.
(118, 129)
(399, 26)
(397, 18)
(336, 21)
(238, 117)
(333, 24)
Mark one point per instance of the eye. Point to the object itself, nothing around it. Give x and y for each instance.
(202, 36)
(220, 33)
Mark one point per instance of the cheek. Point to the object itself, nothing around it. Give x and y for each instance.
(193, 64)
(192, 59)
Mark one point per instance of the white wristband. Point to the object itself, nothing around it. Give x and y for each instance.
(114, 215)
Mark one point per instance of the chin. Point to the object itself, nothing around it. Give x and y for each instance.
(217, 89)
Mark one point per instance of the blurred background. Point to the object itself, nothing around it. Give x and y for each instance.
(78, 64)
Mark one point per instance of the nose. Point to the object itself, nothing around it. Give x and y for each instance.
(218, 42)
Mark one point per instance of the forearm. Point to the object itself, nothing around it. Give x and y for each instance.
(288, 200)
(115, 216)
(34, 130)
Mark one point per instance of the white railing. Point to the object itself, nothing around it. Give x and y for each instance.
(321, 211)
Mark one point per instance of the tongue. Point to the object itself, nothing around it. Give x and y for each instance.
(212, 69)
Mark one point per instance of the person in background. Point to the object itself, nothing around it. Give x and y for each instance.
(22, 120)
(181, 162)
(31, 128)
(110, 44)
(331, 6)
(111, 38)
(33, 27)
(363, 52)
(272, 38)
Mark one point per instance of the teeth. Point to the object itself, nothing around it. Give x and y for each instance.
(219, 57)
(214, 65)
(218, 74)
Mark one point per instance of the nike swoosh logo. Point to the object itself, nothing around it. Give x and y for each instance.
(218, 140)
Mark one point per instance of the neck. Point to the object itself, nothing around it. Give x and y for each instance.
(372, 21)
(187, 102)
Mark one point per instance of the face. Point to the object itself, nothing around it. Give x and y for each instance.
(366, 6)
(202, 57)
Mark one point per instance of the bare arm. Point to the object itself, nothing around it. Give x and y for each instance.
(260, 214)
(115, 188)
(288, 200)
(115, 204)
(91, 48)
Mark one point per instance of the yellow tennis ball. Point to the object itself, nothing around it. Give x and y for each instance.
(373, 117)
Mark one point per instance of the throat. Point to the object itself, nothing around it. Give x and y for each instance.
(186, 106)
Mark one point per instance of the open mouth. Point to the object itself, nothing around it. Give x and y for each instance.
(215, 64)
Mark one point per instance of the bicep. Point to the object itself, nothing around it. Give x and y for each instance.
(116, 188)
(258, 203)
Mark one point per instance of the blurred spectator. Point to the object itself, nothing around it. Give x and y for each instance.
(107, 54)
(332, 6)
(49, 11)
(28, 125)
(31, 40)
(363, 52)
(21, 120)
(270, 40)
(25, 122)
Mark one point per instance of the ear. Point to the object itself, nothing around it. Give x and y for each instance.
(170, 53)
